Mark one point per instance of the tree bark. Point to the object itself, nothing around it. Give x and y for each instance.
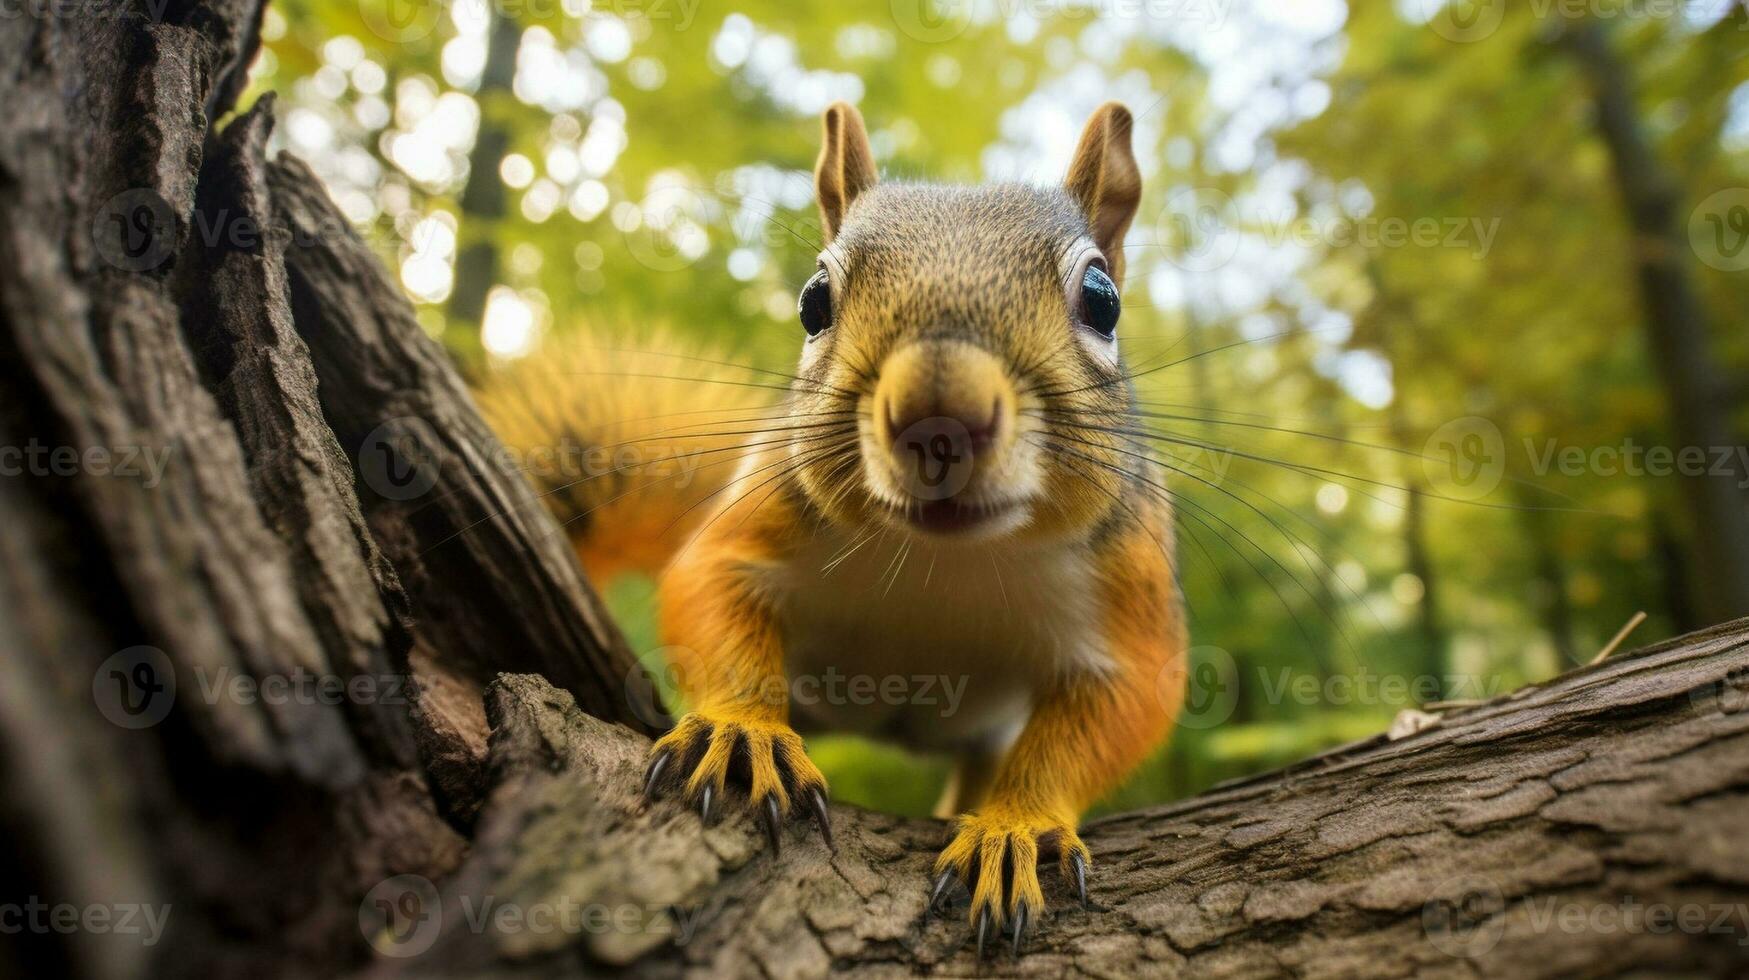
(272, 604)
(1529, 837)
(236, 476)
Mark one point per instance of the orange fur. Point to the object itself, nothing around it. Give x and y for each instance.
(627, 438)
(1084, 736)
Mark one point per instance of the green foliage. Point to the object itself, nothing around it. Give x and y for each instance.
(660, 177)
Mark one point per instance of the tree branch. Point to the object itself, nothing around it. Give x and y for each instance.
(1472, 847)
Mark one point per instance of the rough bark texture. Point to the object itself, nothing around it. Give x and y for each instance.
(232, 457)
(1467, 848)
(228, 441)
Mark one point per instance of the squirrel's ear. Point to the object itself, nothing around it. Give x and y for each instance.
(1103, 179)
(846, 166)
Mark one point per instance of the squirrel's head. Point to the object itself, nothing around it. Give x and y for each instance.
(972, 331)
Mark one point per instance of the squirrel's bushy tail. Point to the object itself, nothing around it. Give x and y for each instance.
(627, 440)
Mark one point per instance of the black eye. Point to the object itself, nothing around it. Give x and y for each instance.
(815, 304)
(1099, 305)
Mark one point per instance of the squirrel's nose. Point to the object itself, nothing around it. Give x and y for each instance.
(938, 407)
(926, 423)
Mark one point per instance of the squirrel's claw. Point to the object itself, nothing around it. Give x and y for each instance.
(1078, 872)
(704, 753)
(653, 775)
(997, 855)
(817, 799)
(769, 811)
(936, 893)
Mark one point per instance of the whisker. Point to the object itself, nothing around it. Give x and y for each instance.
(1307, 468)
(1146, 403)
(726, 364)
(1132, 376)
(1001, 588)
(746, 449)
(669, 434)
(850, 453)
(1179, 499)
(1300, 546)
(683, 432)
(1309, 433)
(794, 463)
(1171, 558)
(691, 379)
(897, 564)
(771, 216)
(846, 552)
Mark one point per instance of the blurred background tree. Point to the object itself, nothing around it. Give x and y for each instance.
(1436, 302)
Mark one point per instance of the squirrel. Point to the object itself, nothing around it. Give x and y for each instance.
(959, 395)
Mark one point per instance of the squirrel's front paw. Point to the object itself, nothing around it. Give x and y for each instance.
(707, 750)
(995, 852)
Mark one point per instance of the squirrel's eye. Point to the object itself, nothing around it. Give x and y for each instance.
(815, 304)
(1099, 305)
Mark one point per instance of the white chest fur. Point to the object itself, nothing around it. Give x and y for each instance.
(940, 647)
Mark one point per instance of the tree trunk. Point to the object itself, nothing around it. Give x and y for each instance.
(1676, 328)
(237, 477)
(1550, 599)
(272, 607)
(483, 198)
(1417, 554)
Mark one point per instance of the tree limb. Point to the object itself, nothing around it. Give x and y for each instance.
(1471, 847)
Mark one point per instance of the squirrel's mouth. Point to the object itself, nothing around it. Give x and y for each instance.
(952, 517)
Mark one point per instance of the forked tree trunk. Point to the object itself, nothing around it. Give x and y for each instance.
(232, 458)
(235, 464)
